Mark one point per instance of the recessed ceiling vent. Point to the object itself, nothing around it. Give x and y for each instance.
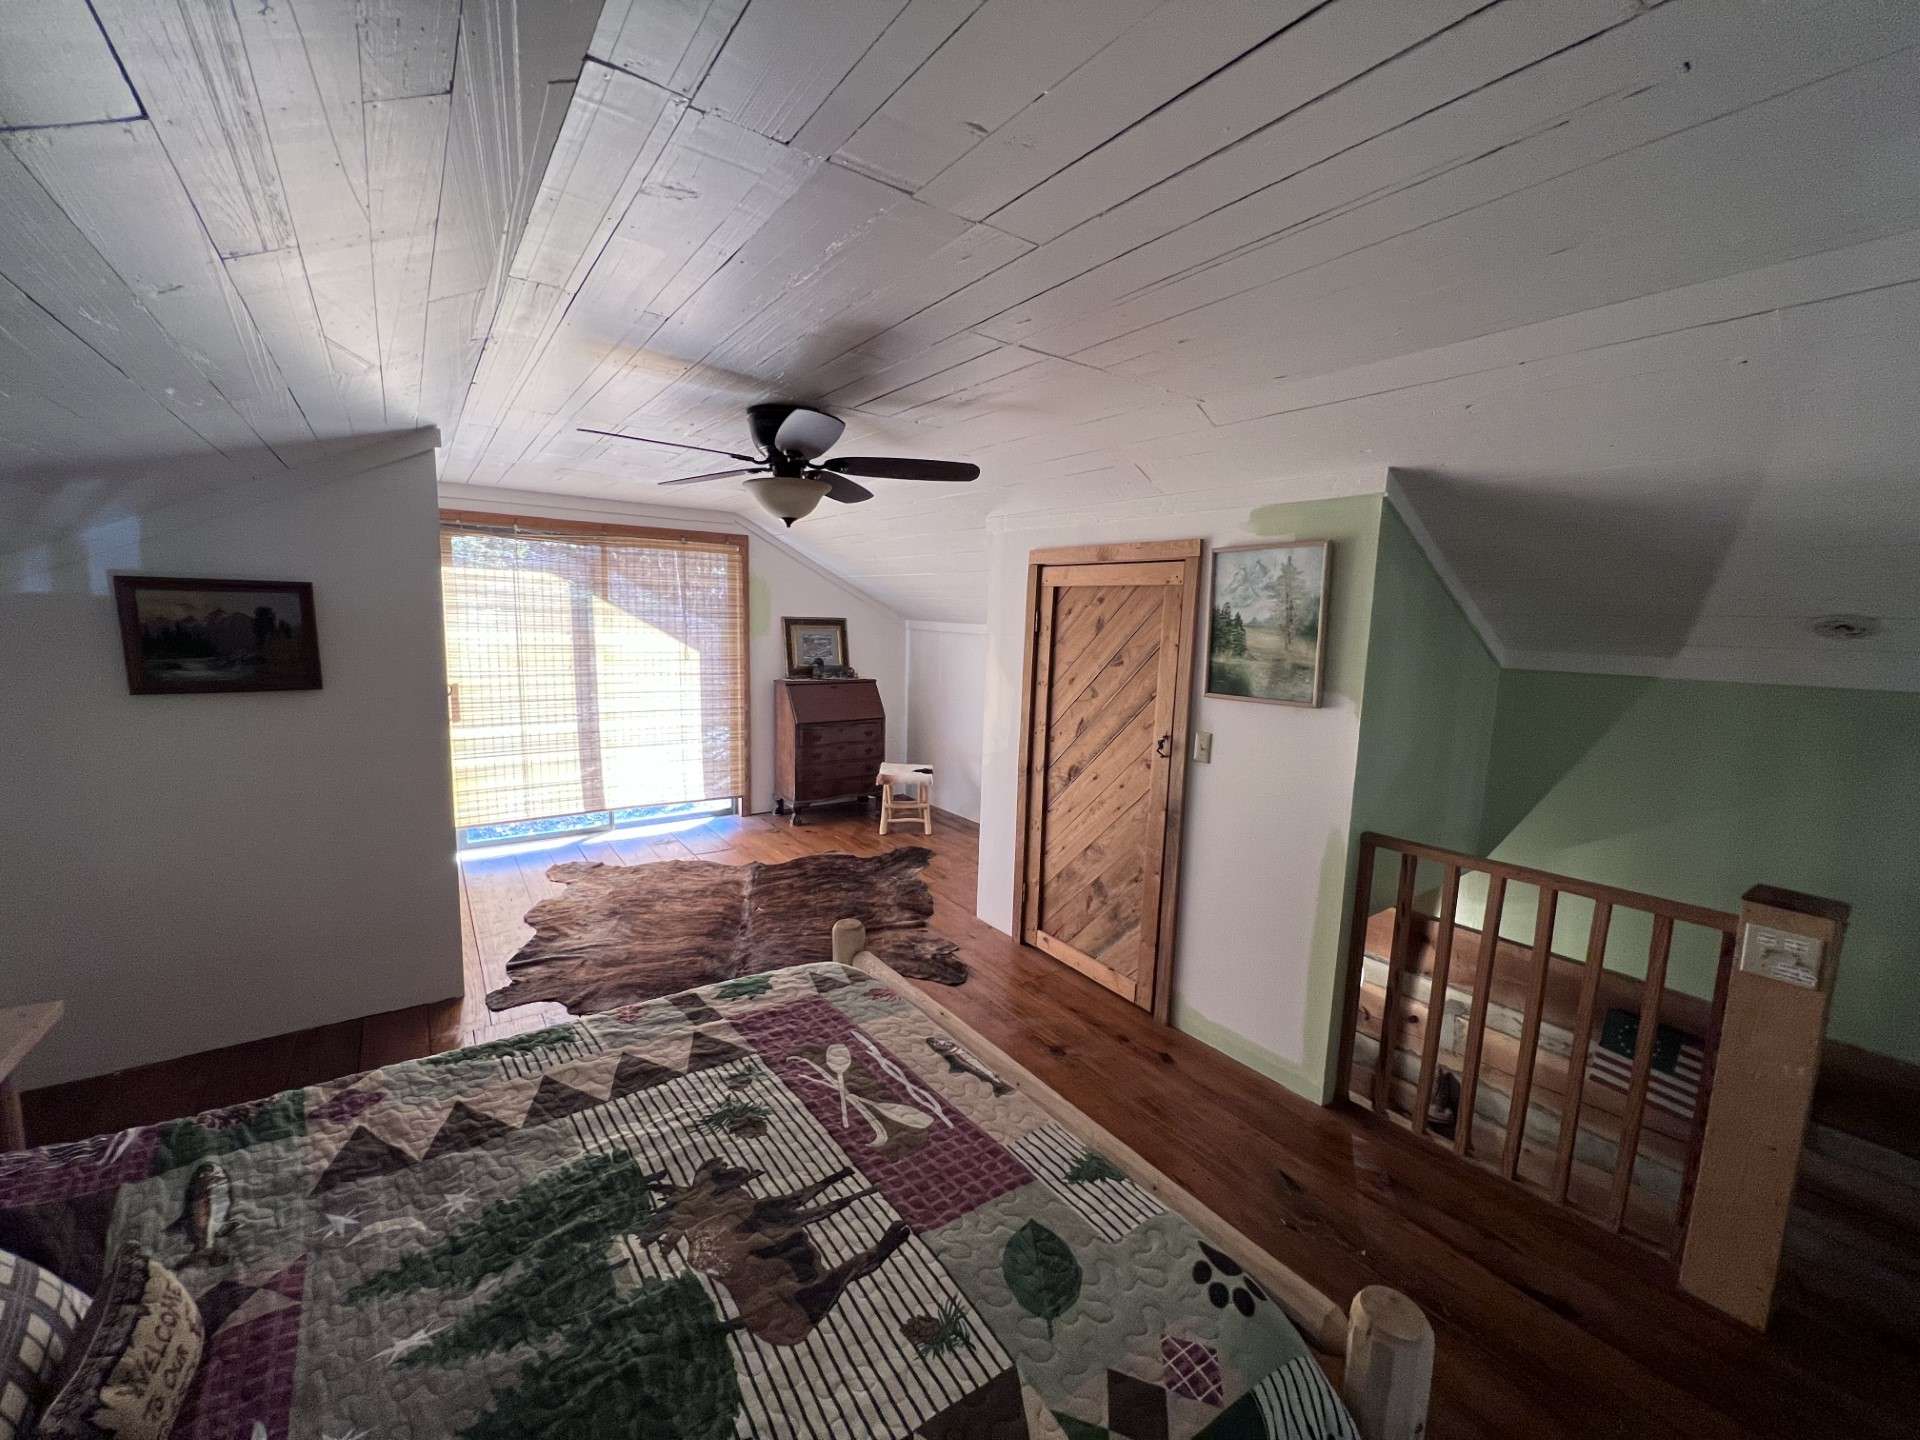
(1846, 627)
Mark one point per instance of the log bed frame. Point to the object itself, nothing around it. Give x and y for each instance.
(1384, 1338)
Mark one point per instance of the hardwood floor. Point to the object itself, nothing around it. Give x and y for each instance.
(1546, 1326)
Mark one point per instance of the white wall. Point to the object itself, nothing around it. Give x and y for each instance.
(780, 582)
(1264, 849)
(191, 872)
(946, 691)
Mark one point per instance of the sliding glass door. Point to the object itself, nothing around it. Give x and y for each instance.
(592, 671)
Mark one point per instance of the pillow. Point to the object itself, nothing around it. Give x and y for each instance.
(39, 1313)
(133, 1359)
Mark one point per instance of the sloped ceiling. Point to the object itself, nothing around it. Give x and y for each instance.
(1624, 293)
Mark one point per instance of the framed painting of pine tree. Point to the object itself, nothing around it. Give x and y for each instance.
(1267, 621)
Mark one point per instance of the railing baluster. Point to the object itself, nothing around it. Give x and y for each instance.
(1356, 963)
(1709, 1058)
(1656, 984)
(1477, 1023)
(1396, 967)
(1437, 995)
(1582, 1046)
(1536, 998)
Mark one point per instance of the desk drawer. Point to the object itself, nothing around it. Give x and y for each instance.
(821, 784)
(815, 739)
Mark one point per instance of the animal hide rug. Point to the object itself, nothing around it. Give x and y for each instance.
(626, 933)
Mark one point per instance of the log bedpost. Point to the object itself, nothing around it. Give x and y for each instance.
(1389, 1373)
(849, 939)
(1766, 1063)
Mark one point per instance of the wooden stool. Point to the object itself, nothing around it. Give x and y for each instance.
(920, 779)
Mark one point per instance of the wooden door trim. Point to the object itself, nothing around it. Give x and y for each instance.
(1154, 989)
(1116, 552)
(1032, 622)
(1040, 638)
(1160, 996)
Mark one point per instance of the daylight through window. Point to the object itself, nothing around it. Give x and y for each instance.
(592, 671)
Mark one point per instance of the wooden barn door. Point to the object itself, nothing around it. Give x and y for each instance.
(1104, 741)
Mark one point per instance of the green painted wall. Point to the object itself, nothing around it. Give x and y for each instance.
(1698, 790)
(1426, 721)
(1427, 717)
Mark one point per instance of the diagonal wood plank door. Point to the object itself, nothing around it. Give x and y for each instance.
(1105, 749)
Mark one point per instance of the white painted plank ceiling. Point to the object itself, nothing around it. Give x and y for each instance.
(1624, 293)
(59, 71)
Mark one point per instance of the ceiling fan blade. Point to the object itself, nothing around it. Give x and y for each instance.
(891, 467)
(713, 475)
(847, 492)
(670, 444)
(808, 433)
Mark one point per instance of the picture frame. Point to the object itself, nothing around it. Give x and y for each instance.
(182, 635)
(1267, 622)
(814, 637)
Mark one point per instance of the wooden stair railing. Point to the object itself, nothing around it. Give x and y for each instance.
(1649, 1203)
(1655, 1217)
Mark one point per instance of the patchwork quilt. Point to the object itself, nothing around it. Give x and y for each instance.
(785, 1205)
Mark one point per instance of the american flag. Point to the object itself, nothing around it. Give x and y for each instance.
(1673, 1084)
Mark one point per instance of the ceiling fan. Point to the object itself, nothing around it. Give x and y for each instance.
(785, 478)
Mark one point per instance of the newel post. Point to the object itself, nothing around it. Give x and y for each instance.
(1769, 1058)
(1389, 1374)
(849, 939)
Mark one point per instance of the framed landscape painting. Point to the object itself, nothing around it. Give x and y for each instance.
(1266, 628)
(210, 637)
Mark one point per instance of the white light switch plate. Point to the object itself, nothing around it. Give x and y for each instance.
(1203, 747)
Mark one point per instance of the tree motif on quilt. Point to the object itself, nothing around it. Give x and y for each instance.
(599, 1197)
(656, 1365)
(658, 1351)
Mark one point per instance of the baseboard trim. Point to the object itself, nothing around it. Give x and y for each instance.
(1236, 1046)
(960, 820)
(233, 1074)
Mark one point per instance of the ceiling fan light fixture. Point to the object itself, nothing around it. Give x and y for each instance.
(790, 497)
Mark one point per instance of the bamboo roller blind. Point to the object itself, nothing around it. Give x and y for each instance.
(592, 671)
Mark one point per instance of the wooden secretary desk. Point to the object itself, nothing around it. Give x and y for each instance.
(829, 737)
